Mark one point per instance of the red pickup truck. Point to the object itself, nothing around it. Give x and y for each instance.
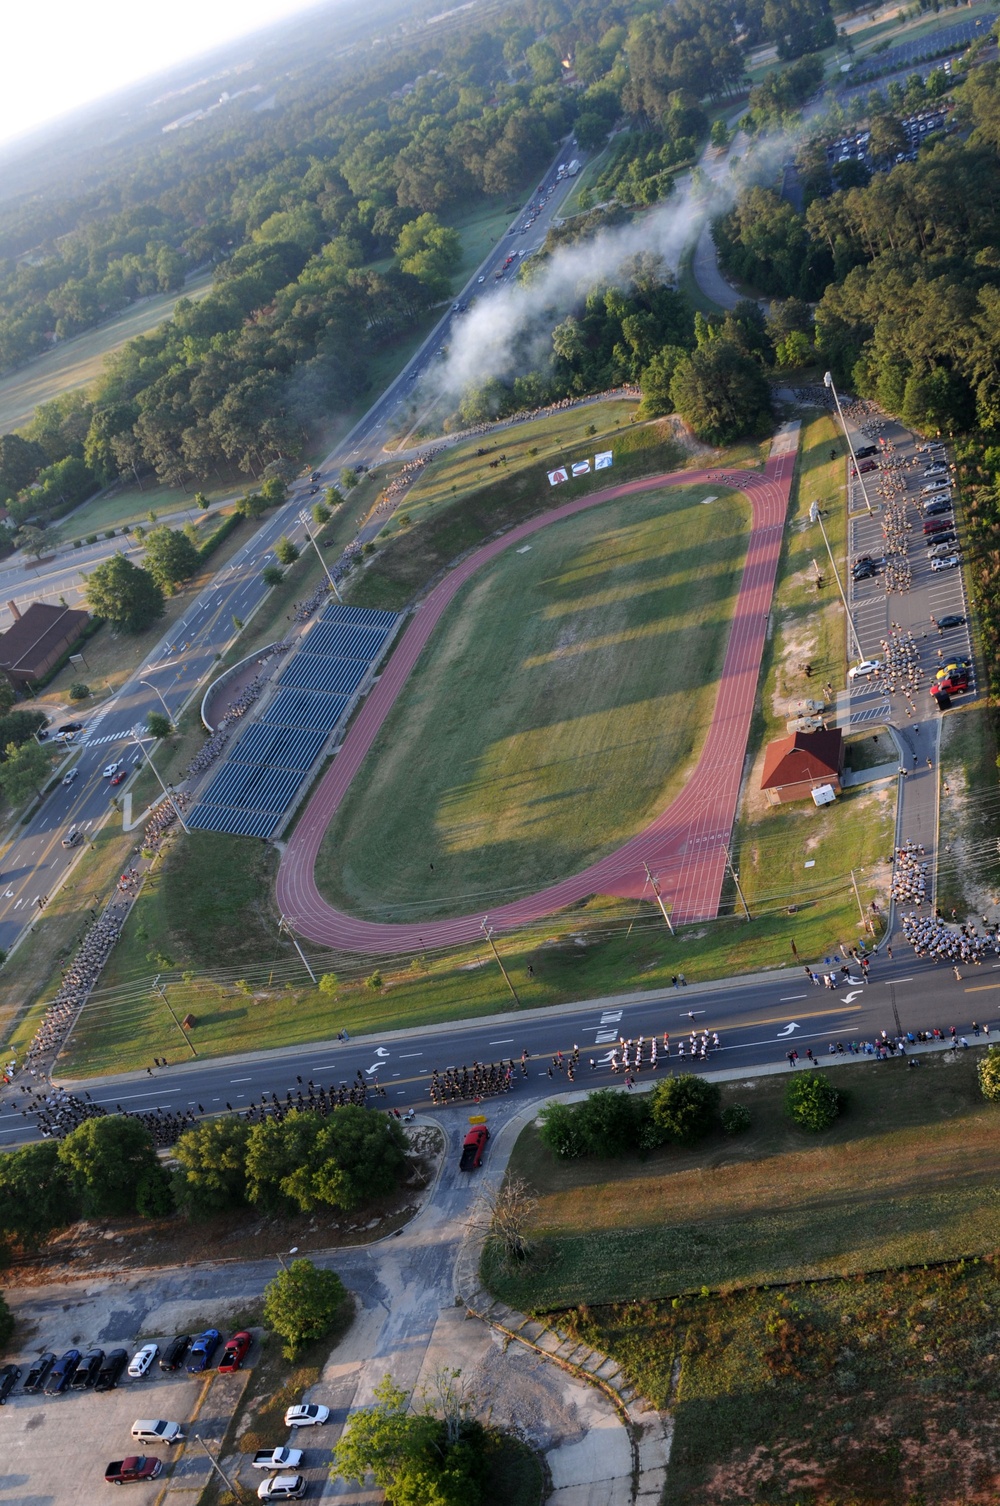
(472, 1148)
(135, 1467)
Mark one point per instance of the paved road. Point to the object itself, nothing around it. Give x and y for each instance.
(758, 1019)
(35, 862)
(684, 844)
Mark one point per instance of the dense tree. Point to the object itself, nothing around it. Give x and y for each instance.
(36, 1193)
(20, 462)
(23, 771)
(306, 1161)
(124, 594)
(722, 393)
(989, 1074)
(285, 552)
(169, 557)
(415, 1457)
(158, 725)
(812, 1101)
(106, 1159)
(685, 1108)
(303, 1302)
(212, 1160)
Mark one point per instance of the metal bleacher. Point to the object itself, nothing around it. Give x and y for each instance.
(268, 764)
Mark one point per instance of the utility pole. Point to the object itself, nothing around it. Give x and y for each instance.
(304, 520)
(736, 880)
(836, 575)
(655, 885)
(169, 793)
(857, 896)
(218, 1469)
(284, 926)
(158, 988)
(488, 933)
(828, 382)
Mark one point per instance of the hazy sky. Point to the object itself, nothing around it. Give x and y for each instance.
(63, 53)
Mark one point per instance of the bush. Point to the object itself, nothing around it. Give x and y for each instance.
(812, 1101)
(989, 1074)
(154, 1196)
(91, 538)
(559, 1131)
(685, 1108)
(77, 543)
(79, 691)
(736, 1119)
(109, 533)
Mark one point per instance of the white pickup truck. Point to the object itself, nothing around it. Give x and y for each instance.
(277, 1458)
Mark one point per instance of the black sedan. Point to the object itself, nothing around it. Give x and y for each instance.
(954, 619)
(9, 1377)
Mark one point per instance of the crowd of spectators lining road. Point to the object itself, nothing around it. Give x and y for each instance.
(234, 712)
(83, 972)
(524, 415)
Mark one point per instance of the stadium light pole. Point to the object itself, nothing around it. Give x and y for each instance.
(828, 382)
(304, 520)
(169, 793)
(817, 517)
(166, 708)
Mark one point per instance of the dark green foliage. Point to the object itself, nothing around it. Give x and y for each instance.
(764, 242)
(7, 1324)
(415, 1457)
(685, 1108)
(124, 594)
(35, 1193)
(736, 1119)
(609, 1122)
(781, 94)
(19, 727)
(153, 1195)
(212, 1158)
(106, 1160)
(812, 1101)
(722, 393)
(303, 1302)
(170, 557)
(307, 1161)
(989, 1074)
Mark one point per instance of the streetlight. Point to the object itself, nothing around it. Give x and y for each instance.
(304, 520)
(281, 1259)
(169, 793)
(166, 708)
(816, 516)
(828, 382)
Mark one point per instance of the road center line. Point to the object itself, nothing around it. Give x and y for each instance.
(788, 999)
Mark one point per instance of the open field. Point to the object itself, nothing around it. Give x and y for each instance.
(133, 504)
(78, 361)
(968, 864)
(601, 646)
(874, 1391)
(480, 228)
(906, 1175)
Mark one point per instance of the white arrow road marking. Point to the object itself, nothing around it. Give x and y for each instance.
(381, 1051)
(855, 993)
(788, 1030)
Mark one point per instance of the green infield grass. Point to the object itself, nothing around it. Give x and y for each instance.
(558, 707)
(907, 1174)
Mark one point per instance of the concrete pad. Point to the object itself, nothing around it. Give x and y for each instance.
(604, 1453)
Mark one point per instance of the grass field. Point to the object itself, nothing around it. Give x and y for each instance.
(132, 504)
(969, 865)
(906, 1175)
(78, 361)
(585, 731)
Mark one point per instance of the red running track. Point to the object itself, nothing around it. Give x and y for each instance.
(683, 845)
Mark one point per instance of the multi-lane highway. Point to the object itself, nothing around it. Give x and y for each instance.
(35, 861)
(758, 1019)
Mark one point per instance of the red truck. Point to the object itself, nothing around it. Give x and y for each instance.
(472, 1148)
(135, 1467)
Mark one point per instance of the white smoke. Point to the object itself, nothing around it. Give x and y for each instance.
(508, 331)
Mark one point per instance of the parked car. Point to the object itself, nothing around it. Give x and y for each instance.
(111, 1371)
(944, 543)
(953, 667)
(62, 1372)
(203, 1346)
(955, 684)
(946, 564)
(86, 1373)
(953, 620)
(863, 451)
(156, 1430)
(933, 508)
(236, 1351)
(141, 1361)
(864, 669)
(936, 525)
(175, 1351)
(282, 1488)
(133, 1468)
(307, 1414)
(277, 1458)
(864, 468)
(39, 1372)
(473, 1147)
(9, 1377)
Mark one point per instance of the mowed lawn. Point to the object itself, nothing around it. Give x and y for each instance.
(79, 361)
(907, 1174)
(559, 705)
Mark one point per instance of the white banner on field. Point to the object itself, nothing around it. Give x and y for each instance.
(561, 474)
(604, 460)
(581, 467)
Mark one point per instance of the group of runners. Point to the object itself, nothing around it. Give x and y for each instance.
(910, 874)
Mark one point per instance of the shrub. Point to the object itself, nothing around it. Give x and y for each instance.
(154, 1196)
(77, 543)
(812, 1101)
(685, 1108)
(91, 538)
(303, 1302)
(6, 1323)
(375, 982)
(989, 1074)
(559, 1131)
(736, 1119)
(109, 533)
(79, 691)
